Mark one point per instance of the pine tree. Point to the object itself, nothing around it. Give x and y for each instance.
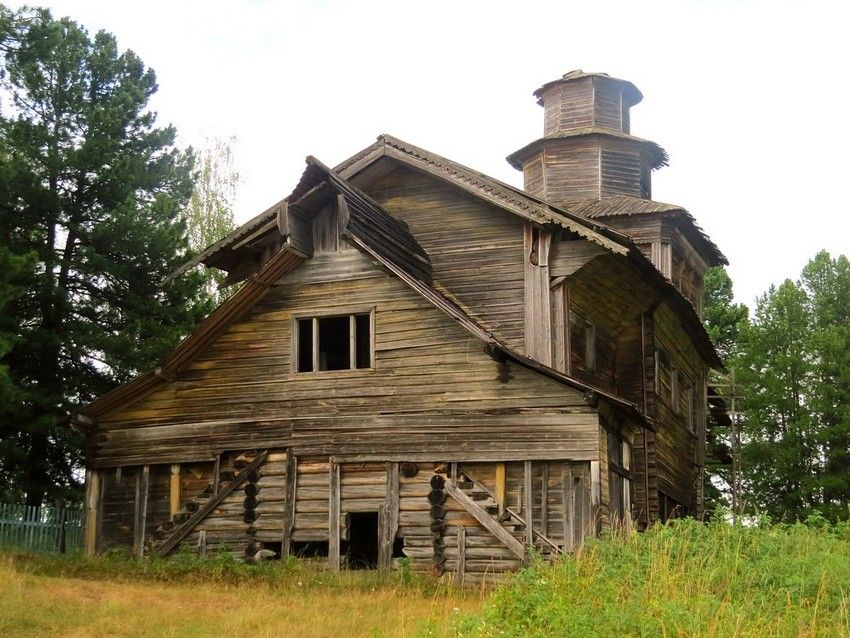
(91, 201)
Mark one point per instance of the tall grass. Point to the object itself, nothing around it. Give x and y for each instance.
(684, 579)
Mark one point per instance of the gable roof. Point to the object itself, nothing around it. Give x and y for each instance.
(503, 195)
(628, 206)
(369, 228)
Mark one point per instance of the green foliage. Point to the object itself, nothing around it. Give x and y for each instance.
(795, 375)
(89, 225)
(725, 321)
(684, 579)
(209, 215)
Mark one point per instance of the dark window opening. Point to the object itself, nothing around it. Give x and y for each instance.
(361, 550)
(669, 508)
(363, 331)
(334, 343)
(398, 547)
(305, 345)
(309, 549)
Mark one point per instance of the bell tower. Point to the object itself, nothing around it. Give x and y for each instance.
(587, 150)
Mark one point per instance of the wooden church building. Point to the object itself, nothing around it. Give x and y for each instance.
(421, 361)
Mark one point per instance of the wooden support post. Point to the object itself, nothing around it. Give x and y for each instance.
(333, 515)
(461, 554)
(289, 502)
(453, 472)
(595, 494)
(501, 487)
(176, 490)
(544, 498)
(93, 493)
(391, 516)
(528, 505)
(568, 494)
(140, 521)
(383, 533)
(217, 473)
(202, 543)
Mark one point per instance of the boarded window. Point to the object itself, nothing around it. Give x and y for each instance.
(334, 343)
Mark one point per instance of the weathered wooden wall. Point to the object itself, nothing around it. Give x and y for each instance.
(433, 390)
(476, 249)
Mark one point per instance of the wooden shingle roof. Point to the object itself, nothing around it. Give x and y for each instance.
(657, 155)
(627, 206)
(631, 92)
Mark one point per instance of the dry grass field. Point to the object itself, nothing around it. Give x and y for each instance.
(308, 603)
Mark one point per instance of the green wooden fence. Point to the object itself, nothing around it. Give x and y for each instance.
(45, 529)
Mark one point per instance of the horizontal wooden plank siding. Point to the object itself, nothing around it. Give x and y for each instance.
(475, 248)
(433, 390)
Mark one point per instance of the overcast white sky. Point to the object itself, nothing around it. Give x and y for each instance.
(750, 99)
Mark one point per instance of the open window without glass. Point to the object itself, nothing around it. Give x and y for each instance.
(340, 342)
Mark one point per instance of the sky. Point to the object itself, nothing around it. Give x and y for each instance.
(748, 98)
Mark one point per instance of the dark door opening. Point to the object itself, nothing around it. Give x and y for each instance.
(361, 550)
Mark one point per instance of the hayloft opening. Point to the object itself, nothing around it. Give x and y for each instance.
(334, 343)
(361, 550)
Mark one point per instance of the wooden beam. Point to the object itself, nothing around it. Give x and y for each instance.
(343, 213)
(140, 519)
(175, 490)
(483, 517)
(289, 502)
(528, 504)
(282, 217)
(165, 373)
(217, 473)
(461, 554)
(501, 486)
(333, 515)
(544, 498)
(391, 516)
(568, 494)
(93, 492)
(180, 533)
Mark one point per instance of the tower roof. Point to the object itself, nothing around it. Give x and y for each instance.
(631, 92)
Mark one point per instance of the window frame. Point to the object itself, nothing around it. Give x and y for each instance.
(351, 313)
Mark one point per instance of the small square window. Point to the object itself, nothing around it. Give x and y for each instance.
(342, 342)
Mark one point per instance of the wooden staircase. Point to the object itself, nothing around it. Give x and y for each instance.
(506, 524)
(170, 533)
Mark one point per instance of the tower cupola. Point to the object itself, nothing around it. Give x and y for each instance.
(587, 150)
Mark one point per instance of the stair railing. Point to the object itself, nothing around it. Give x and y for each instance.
(217, 497)
(513, 514)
